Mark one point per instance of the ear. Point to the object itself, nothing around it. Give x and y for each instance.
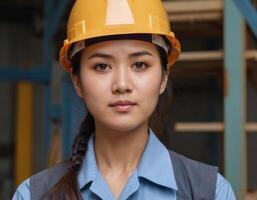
(164, 82)
(77, 84)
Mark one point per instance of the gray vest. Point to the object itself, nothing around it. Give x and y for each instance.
(195, 180)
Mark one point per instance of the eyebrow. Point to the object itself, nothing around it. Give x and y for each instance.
(108, 56)
(140, 53)
(101, 55)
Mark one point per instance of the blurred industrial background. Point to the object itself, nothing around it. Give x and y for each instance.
(212, 116)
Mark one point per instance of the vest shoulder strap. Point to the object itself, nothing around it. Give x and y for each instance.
(195, 180)
(43, 181)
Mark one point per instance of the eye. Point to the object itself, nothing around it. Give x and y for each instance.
(140, 65)
(102, 67)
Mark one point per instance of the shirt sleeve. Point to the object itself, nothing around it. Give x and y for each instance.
(223, 189)
(23, 191)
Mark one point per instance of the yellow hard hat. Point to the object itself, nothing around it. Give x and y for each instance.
(96, 18)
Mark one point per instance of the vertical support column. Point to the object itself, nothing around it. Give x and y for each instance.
(66, 117)
(235, 99)
(24, 121)
(47, 60)
(53, 16)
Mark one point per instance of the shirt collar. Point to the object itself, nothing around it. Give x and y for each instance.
(155, 164)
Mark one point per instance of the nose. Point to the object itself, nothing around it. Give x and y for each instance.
(121, 81)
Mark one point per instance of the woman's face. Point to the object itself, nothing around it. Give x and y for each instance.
(120, 82)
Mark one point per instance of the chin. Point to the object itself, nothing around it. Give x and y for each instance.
(123, 126)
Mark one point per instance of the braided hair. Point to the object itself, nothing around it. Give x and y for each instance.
(67, 186)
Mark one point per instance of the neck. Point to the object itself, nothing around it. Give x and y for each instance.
(119, 150)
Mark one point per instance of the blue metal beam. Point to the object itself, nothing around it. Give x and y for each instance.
(249, 12)
(235, 98)
(66, 119)
(35, 74)
(47, 40)
(47, 118)
(56, 112)
(53, 15)
(57, 15)
(47, 60)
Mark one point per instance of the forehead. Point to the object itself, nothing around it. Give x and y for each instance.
(122, 46)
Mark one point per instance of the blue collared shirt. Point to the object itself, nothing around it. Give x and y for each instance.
(152, 179)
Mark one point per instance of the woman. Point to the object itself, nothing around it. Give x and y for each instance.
(119, 60)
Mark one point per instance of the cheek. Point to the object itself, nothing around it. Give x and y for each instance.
(93, 90)
(149, 89)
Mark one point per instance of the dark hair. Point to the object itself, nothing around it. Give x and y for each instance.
(67, 186)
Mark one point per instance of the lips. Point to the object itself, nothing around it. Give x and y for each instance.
(123, 105)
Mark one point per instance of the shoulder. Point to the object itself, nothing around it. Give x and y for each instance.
(224, 190)
(23, 191)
